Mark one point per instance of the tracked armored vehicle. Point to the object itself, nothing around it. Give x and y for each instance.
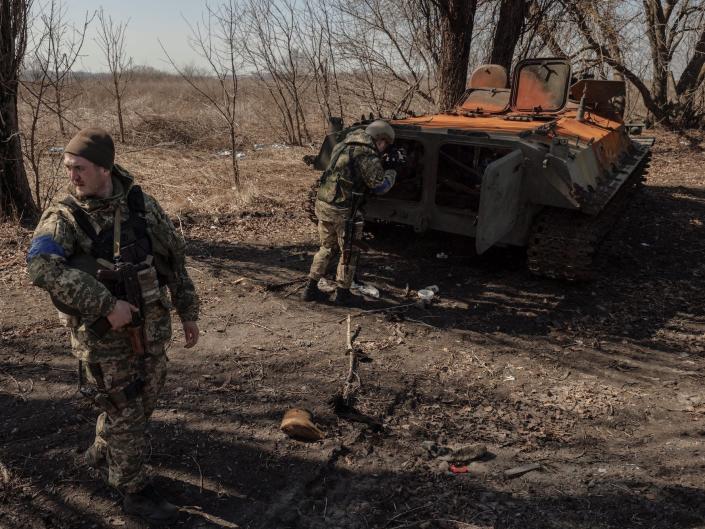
(546, 164)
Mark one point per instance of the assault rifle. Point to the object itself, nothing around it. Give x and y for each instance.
(126, 285)
(349, 237)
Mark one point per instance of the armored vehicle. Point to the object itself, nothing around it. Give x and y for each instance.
(547, 164)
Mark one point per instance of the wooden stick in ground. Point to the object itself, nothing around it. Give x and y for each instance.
(4, 476)
(350, 382)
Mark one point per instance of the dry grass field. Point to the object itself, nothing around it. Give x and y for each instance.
(598, 386)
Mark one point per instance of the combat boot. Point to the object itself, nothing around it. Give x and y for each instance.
(150, 506)
(95, 456)
(343, 296)
(311, 292)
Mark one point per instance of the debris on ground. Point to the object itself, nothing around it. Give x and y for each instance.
(456, 454)
(352, 382)
(521, 470)
(366, 289)
(324, 285)
(425, 294)
(298, 424)
(238, 155)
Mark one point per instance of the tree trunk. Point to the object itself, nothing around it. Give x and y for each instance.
(691, 80)
(507, 32)
(233, 160)
(15, 194)
(694, 73)
(120, 122)
(656, 31)
(456, 22)
(59, 110)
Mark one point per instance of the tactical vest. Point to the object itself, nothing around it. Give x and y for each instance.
(135, 248)
(337, 185)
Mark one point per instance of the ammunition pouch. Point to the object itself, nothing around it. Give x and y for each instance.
(148, 278)
(136, 247)
(149, 285)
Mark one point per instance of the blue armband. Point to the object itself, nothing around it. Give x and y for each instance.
(385, 185)
(45, 244)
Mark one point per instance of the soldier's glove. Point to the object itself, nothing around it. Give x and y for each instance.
(309, 159)
(394, 158)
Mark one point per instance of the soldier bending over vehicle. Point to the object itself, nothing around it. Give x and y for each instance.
(107, 254)
(355, 169)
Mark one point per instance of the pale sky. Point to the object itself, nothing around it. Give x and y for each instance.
(149, 20)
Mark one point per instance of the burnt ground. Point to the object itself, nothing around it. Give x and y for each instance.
(600, 384)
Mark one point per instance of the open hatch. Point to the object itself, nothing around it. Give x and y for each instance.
(487, 91)
(540, 86)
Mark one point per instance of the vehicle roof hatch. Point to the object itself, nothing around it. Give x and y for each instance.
(487, 91)
(540, 85)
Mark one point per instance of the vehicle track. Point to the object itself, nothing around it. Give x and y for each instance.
(564, 242)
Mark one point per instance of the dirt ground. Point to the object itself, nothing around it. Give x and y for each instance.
(600, 384)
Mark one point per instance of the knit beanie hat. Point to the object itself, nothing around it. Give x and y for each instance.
(93, 144)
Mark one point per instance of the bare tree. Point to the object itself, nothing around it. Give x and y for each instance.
(274, 51)
(674, 28)
(456, 24)
(36, 87)
(541, 36)
(111, 40)
(62, 47)
(391, 46)
(55, 47)
(317, 40)
(217, 40)
(15, 194)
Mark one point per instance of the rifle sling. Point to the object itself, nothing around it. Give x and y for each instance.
(135, 204)
(116, 233)
(81, 218)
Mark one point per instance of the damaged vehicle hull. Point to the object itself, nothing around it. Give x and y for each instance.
(535, 170)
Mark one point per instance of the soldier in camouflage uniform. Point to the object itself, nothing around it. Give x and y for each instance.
(73, 240)
(355, 167)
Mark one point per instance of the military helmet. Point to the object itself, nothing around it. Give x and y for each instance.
(380, 129)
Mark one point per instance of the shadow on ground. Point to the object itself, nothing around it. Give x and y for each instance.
(231, 467)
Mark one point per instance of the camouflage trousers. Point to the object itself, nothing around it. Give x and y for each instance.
(331, 233)
(120, 433)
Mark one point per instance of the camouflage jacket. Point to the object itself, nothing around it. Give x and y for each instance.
(58, 237)
(355, 166)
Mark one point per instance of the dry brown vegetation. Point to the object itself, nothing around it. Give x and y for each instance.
(174, 142)
(179, 144)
